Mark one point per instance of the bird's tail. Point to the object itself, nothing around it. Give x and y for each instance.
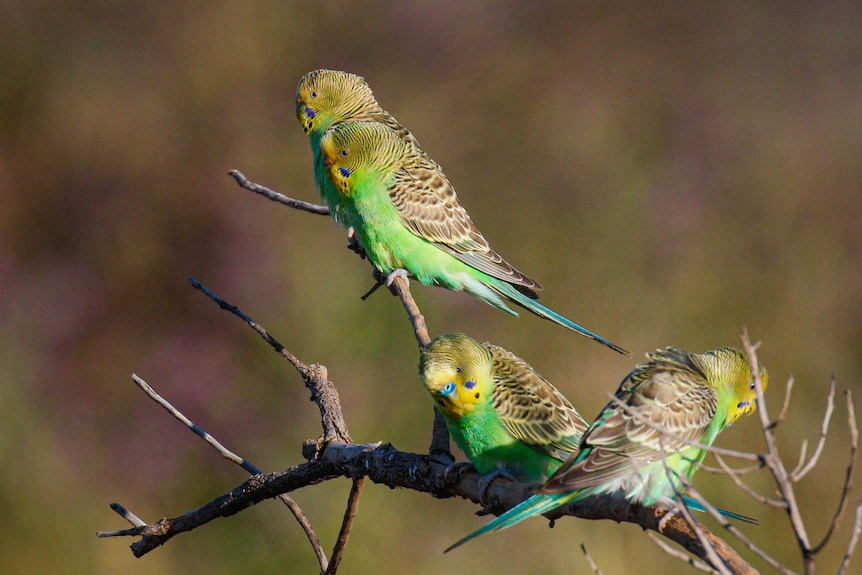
(535, 505)
(692, 504)
(509, 291)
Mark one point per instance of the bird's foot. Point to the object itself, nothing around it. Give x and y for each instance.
(667, 517)
(379, 280)
(486, 480)
(400, 272)
(458, 468)
(353, 244)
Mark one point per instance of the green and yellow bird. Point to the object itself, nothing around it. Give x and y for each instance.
(406, 216)
(501, 413)
(325, 98)
(652, 433)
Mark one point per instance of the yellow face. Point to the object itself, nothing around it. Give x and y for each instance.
(456, 370)
(747, 393)
(353, 152)
(325, 97)
(455, 391)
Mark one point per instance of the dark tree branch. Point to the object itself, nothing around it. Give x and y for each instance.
(294, 508)
(323, 392)
(334, 455)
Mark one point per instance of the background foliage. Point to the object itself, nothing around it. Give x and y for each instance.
(670, 171)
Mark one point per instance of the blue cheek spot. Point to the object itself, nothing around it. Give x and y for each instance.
(470, 384)
(448, 389)
(344, 172)
(309, 112)
(742, 404)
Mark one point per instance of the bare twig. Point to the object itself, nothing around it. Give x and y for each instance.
(401, 288)
(848, 478)
(730, 470)
(346, 525)
(294, 507)
(277, 197)
(751, 492)
(323, 392)
(711, 554)
(676, 553)
(798, 474)
(854, 539)
(773, 459)
(592, 563)
(125, 514)
(786, 405)
(256, 489)
(713, 511)
(439, 448)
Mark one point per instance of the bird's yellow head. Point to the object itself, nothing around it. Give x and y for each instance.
(728, 367)
(456, 371)
(354, 152)
(325, 97)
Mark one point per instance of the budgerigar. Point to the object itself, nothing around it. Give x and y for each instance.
(500, 412)
(406, 216)
(327, 97)
(691, 396)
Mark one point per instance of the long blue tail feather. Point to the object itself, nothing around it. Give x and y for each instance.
(509, 291)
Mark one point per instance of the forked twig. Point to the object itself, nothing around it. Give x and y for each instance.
(323, 392)
(772, 458)
(788, 388)
(751, 492)
(300, 516)
(798, 473)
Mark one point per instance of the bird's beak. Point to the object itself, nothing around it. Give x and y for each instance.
(327, 161)
(299, 101)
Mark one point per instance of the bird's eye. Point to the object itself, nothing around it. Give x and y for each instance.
(752, 386)
(344, 153)
(457, 370)
(448, 389)
(313, 94)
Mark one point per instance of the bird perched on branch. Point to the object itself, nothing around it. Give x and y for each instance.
(503, 415)
(651, 434)
(325, 98)
(407, 219)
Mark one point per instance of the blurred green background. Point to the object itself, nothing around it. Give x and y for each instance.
(671, 172)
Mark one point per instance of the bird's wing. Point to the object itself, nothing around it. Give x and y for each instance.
(670, 393)
(428, 206)
(532, 410)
